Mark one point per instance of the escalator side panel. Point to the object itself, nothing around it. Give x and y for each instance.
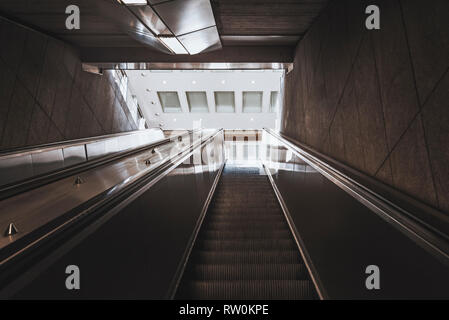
(343, 237)
(136, 253)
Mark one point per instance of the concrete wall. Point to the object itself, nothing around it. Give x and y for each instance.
(377, 100)
(46, 97)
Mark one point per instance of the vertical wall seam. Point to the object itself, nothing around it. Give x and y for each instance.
(360, 126)
(399, 140)
(382, 107)
(87, 103)
(437, 84)
(418, 100)
(2, 134)
(16, 79)
(69, 101)
(430, 163)
(36, 94)
(351, 69)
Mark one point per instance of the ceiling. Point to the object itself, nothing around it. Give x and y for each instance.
(250, 95)
(265, 21)
(106, 24)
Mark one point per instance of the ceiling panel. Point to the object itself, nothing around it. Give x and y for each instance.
(260, 40)
(262, 17)
(157, 1)
(106, 23)
(149, 17)
(98, 40)
(203, 40)
(184, 16)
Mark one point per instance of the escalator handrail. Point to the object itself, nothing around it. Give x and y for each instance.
(434, 241)
(128, 188)
(15, 188)
(66, 143)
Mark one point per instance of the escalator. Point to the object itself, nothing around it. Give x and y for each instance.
(174, 219)
(245, 249)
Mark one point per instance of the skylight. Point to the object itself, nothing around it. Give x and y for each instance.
(197, 101)
(252, 101)
(169, 101)
(224, 101)
(274, 101)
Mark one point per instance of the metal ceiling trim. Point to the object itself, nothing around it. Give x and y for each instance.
(123, 17)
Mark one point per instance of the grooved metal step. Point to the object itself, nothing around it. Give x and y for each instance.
(245, 249)
(250, 225)
(242, 211)
(245, 234)
(247, 257)
(252, 289)
(203, 272)
(247, 244)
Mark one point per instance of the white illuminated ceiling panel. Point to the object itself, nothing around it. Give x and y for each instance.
(197, 102)
(252, 101)
(169, 102)
(224, 101)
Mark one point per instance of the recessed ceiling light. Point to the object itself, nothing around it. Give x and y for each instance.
(252, 119)
(174, 120)
(223, 81)
(194, 82)
(134, 2)
(164, 82)
(253, 82)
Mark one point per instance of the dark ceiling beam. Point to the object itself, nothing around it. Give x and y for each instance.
(249, 54)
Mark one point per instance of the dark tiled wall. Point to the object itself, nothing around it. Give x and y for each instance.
(46, 97)
(377, 100)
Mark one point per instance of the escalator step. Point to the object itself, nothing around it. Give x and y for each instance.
(247, 191)
(247, 257)
(245, 249)
(252, 289)
(247, 218)
(247, 244)
(202, 272)
(246, 211)
(233, 220)
(247, 234)
(242, 200)
(243, 205)
(252, 225)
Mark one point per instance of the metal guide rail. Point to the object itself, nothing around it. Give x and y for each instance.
(123, 201)
(344, 229)
(49, 205)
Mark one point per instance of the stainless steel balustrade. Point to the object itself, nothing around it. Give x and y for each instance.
(342, 227)
(433, 239)
(146, 221)
(18, 165)
(35, 208)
